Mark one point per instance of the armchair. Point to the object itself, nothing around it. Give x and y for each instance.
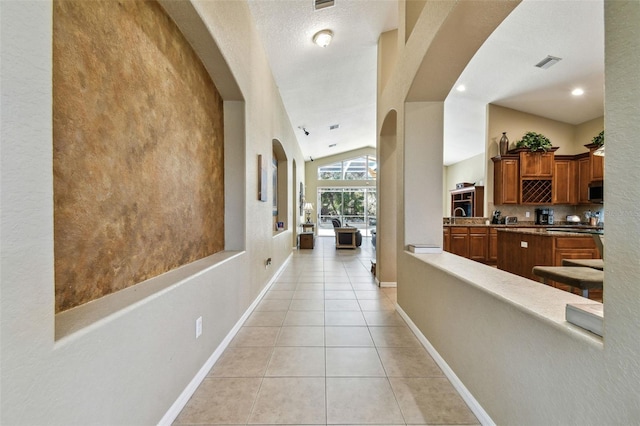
(346, 237)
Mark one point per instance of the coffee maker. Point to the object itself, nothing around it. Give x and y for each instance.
(544, 216)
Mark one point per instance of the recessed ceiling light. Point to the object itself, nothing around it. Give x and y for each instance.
(461, 88)
(323, 37)
(577, 92)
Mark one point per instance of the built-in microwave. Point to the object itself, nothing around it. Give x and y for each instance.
(596, 192)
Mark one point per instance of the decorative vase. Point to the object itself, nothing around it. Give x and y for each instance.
(504, 144)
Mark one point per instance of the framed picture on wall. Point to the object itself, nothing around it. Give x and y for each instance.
(274, 177)
(263, 183)
(301, 198)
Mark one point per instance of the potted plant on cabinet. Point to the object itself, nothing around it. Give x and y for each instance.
(598, 139)
(534, 142)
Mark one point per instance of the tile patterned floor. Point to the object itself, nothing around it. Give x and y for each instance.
(325, 346)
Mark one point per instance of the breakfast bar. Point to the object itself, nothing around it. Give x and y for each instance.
(520, 250)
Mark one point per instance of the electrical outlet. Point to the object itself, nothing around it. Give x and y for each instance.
(524, 244)
(198, 327)
(527, 214)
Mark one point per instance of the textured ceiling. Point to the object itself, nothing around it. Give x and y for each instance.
(321, 87)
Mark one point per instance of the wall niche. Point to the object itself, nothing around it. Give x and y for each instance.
(138, 149)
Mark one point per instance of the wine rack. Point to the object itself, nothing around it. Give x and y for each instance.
(536, 191)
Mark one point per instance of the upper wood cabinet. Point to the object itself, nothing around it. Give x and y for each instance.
(565, 183)
(506, 180)
(536, 164)
(583, 167)
(596, 162)
(524, 177)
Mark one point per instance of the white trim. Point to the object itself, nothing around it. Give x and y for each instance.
(387, 283)
(175, 409)
(482, 416)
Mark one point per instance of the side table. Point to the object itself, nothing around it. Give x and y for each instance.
(306, 240)
(308, 227)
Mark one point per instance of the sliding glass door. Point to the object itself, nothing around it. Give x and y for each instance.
(351, 206)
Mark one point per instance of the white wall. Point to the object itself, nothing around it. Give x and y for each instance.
(124, 359)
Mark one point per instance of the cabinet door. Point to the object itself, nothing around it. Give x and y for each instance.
(506, 177)
(493, 246)
(564, 182)
(597, 166)
(536, 164)
(478, 244)
(584, 177)
(459, 243)
(446, 244)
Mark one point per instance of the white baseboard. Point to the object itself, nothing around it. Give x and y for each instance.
(387, 284)
(473, 404)
(188, 392)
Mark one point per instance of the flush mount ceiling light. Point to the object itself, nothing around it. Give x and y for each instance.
(548, 62)
(577, 92)
(323, 37)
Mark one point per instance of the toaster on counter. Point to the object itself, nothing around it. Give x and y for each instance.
(510, 220)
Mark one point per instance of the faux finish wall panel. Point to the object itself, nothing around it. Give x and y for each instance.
(138, 149)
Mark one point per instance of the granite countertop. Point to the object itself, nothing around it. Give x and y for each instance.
(572, 225)
(555, 231)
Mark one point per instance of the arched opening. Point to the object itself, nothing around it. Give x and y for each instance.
(279, 178)
(387, 183)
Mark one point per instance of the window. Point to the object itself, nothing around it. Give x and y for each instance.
(352, 206)
(360, 168)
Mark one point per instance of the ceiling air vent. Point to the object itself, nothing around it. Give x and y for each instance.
(321, 4)
(548, 62)
(334, 126)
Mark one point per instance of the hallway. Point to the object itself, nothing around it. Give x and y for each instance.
(325, 346)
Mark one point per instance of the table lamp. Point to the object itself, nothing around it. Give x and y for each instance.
(307, 209)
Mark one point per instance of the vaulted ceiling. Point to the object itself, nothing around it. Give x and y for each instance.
(336, 85)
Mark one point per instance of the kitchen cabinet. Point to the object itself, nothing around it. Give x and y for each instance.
(492, 256)
(536, 164)
(596, 162)
(478, 243)
(459, 241)
(536, 177)
(565, 185)
(584, 178)
(446, 240)
(468, 201)
(471, 242)
(506, 178)
(519, 250)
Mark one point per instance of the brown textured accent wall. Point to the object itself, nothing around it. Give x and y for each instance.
(138, 149)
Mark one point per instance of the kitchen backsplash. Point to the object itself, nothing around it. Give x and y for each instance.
(560, 212)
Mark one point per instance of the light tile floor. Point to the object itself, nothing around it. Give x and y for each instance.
(325, 346)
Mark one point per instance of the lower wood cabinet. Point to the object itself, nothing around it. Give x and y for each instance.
(446, 239)
(478, 246)
(471, 242)
(519, 252)
(493, 246)
(459, 241)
